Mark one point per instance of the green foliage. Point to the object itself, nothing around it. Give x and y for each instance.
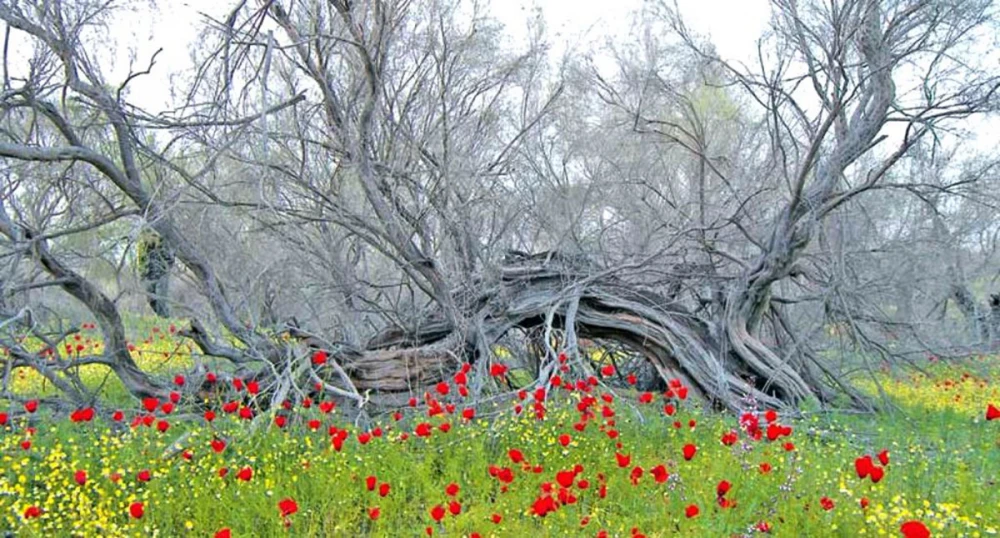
(943, 458)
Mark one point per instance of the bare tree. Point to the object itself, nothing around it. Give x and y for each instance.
(408, 191)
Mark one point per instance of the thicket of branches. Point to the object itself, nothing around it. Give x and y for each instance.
(399, 183)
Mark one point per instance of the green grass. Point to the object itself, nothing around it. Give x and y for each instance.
(943, 471)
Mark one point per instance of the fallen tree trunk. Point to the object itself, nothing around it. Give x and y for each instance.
(582, 301)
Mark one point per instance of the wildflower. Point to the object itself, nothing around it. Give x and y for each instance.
(287, 507)
(914, 529)
(437, 512)
(245, 474)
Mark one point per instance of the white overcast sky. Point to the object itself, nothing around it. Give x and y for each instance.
(733, 26)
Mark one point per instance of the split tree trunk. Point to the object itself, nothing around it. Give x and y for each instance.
(720, 360)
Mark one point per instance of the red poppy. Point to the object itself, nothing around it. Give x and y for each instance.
(455, 508)
(689, 451)
(497, 369)
(163, 426)
(287, 507)
(864, 502)
(691, 511)
(370, 482)
(564, 440)
(451, 489)
(469, 414)
(143, 476)
(442, 388)
(245, 474)
(80, 477)
(883, 457)
(723, 488)
(136, 510)
(826, 503)
(914, 529)
(423, 429)
(992, 412)
(373, 513)
(224, 533)
(566, 478)
(635, 475)
(496, 518)
(150, 404)
(327, 407)
(608, 370)
(383, 489)
(877, 474)
(437, 512)
(179, 380)
(253, 387)
(319, 358)
(543, 506)
(83, 415)
(31, 406)
(623, 459)
(863, 466)
(32, 512)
